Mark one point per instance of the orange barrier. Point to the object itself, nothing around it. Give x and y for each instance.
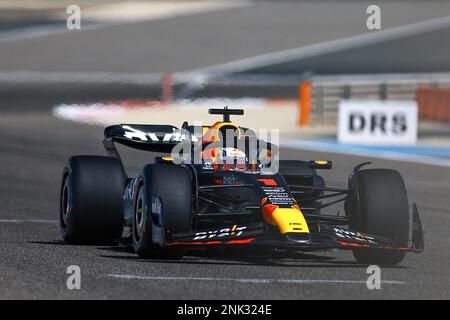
(434, 103)
(304, 102)
(167, 90)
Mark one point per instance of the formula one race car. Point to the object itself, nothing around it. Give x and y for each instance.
(223, 186)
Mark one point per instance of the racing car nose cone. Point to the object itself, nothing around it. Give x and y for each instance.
(298, 237)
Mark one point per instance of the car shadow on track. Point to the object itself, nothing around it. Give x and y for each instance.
(243, 258)
(235, 257)
(51, 242)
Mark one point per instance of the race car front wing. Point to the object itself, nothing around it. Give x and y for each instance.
(326, 237)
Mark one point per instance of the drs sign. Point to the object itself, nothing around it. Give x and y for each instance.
(377, 122)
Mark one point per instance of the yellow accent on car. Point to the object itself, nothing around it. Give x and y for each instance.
(289, 220)
(321, 162)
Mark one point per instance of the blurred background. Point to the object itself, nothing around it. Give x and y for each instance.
(289, 64)
(176, 52)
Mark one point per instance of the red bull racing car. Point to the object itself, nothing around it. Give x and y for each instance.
(223, 186)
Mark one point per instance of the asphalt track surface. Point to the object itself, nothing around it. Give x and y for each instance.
(202, 40)
(33, 150)
(401, 55)
(34, 146)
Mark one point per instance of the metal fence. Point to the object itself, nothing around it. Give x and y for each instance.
(328, 92)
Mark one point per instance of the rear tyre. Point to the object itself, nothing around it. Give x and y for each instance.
(91, 205)
(173, 186)
(380, 207)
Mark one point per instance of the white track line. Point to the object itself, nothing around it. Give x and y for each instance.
(330, 46)
(27, 221)
(244, 280)
(96, 22)
(201, 75)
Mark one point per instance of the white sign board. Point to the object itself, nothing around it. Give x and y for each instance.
(375, 122)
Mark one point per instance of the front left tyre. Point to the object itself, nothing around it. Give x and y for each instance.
(91, 204)
(379, 206)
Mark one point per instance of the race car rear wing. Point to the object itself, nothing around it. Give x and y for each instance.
(155, 138)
